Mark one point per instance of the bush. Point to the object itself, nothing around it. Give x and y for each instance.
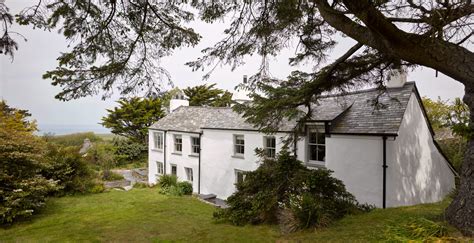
(140, 185)
(185, 187)
(75, 139)
(284, 191)
(167, 181)
(68, 168)
(128, 151)
(97, 188)
(112, 176)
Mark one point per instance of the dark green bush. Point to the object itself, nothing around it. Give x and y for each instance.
(306, 197)
(128, 151)
(167, 181)
(69, 169)
(185, 187)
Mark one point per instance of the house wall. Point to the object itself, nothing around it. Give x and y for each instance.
(357, 161)
(181, 160)
(417, 172)
(218, 163)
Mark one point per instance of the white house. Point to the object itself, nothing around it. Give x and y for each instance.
(386, 157)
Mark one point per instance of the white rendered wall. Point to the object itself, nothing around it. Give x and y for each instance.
(417, 172)
(181, 160)
(218, 163)
(357, 161)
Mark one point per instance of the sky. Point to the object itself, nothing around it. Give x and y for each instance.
(22, 86)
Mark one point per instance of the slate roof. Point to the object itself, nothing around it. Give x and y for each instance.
(352, 113)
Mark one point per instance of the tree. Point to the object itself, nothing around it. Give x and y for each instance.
(207, 95)
(133, 116)
(117, 43)
(22, 187)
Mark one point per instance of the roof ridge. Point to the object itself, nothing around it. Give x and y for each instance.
(364, 91)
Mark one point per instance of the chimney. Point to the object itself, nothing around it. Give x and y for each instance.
(177, 101)
(245, 79)
(397, 78)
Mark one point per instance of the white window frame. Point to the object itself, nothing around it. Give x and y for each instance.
(317, 130)
(176, 144)
(171, 169)
(189, 174)
(240, 145)
(266, 148)
(158, 140)
(236, 175)
(160, 168)
(195, 148)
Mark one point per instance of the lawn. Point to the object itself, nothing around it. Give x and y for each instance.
(144, 215)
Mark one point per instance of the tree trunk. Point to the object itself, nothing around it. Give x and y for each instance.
(461, 211)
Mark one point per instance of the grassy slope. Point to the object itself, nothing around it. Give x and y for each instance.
(144, 215)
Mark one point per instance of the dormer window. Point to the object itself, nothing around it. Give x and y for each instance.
(316, 145)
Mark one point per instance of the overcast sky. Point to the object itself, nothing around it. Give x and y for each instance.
(21, 84)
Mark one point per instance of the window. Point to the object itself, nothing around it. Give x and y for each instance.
(195, 145)
(239, 176)
(178, 143)
(269, 146)
(189, 174)
(174, 170)
(316, 145)
(239, 145)
(158, 140)
(159, 168)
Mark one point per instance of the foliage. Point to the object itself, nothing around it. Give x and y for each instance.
(133, 116)
(185, 187)
(419, 229)
(128, 151)
(208, 95)
(102, 155)
(112, 176)
(445, 114)
(454, 148)
(75, 139)
(66, 166)
(314, 197)
(167, 181)
(140, 185)
(23, 189)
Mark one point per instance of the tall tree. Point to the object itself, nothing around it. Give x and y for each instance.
(208, 95)
(116, 44)
(133, 116)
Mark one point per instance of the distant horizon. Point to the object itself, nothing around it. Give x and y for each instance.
(63, 129)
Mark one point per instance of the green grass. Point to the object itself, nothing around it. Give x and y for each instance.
(144, 215)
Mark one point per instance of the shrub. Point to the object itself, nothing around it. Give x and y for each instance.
(167, 181)
(97, 188)
(140, 185)
(185, 187)
(68, 168)
(128, 151)
(283, 190)
(102, 155)
(112, 176)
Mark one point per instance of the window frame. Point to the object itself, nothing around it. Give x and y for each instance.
(318, 131)
(236, 175)
(171, 169)
(158, 163)
(193, 146)
(266, 148)
(241, 146)
(186, 170)
(158, 141)
(175, 144)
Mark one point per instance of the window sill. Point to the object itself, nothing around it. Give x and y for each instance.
(157, 150)
(237, 156)
(177, 153)
(316, 164)
(194, 155)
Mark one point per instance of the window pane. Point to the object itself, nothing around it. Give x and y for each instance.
(312, 137)
(174, 170)
(313, 152)
(321, 151)
(321, 138)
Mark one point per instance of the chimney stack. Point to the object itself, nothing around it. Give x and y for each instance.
(397, 78)
(177, 101)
